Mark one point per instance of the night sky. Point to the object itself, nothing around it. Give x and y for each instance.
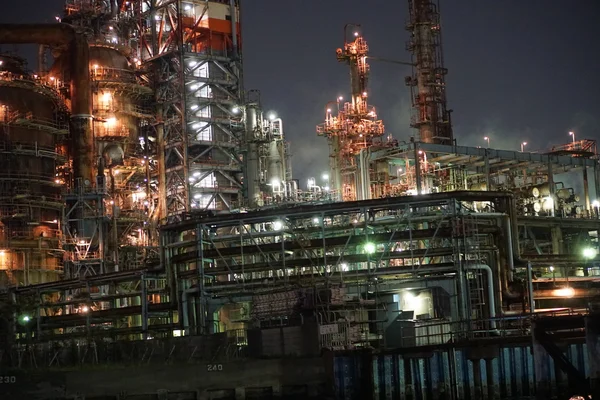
(519, 70)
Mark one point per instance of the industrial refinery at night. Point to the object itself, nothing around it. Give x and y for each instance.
(155, 242)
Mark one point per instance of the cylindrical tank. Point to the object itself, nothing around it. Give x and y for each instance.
(541, 190)
(32, 119)
(275, 164)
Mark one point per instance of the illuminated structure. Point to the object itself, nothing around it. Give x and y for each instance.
(460, 251)
(351, 127)
(428, 85)
(33, 124)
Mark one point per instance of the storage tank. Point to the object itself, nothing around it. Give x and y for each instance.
(33, 125)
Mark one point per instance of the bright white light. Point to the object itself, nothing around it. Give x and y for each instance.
(411, 301)
(364, 94)
(564, 292)
(85, 309)
(197, 173)
(326, 188)
(344, 266)
(2, 252)
(272, 116)
(192, 63)
(275, 182)
(195, 126)
(235, 110)
(194, 107)
(551, 268)
(311, 183)
(329, 110)
(187, 7)
(596, 203)
(110, 122)
(277, 225)
(355, 34)
(316, 220)
(548, 203)
(340, 98)
(370, 248)
(590, 252)
(197, 196)
(325, 176)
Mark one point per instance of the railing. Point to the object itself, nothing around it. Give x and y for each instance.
(238, 337)
(99, 73)
(417, 333)
(50, 87)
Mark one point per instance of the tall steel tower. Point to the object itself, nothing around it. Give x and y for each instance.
(428, 87)
(353, 126)
(193, 50)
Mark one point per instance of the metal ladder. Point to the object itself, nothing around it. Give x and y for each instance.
(475, 278)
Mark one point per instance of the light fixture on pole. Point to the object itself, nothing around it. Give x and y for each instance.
(523, 146)
(487, 139)
(573, 135)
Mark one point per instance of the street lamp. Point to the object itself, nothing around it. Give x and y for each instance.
(325, 176)
(523, 146)
(573, 135)
(487, 139)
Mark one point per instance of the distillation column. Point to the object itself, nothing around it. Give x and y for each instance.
(427, 84)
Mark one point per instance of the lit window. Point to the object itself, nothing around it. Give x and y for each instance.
(209, 181)
(204, 112)
(205, 92)
(203, 131)
(201, 71)
(206, 202)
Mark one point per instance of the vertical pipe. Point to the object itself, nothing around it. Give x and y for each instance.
(144, 304)
(200, 267)
(334, 166)
(41, 59)
(417, 168)
(586, 191)
(162, 172)
(530, 287)
(487, 170)
(251, 178)
(234, 38)
(81, 110)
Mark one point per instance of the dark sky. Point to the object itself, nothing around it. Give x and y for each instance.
(518, 69)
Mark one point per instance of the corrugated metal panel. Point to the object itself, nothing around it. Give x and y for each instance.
(450, 375)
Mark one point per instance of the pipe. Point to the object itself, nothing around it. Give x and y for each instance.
(114, 9)
(41, 59)
(490, 293)
(81, 100)
(251, 159)
(234, 38)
